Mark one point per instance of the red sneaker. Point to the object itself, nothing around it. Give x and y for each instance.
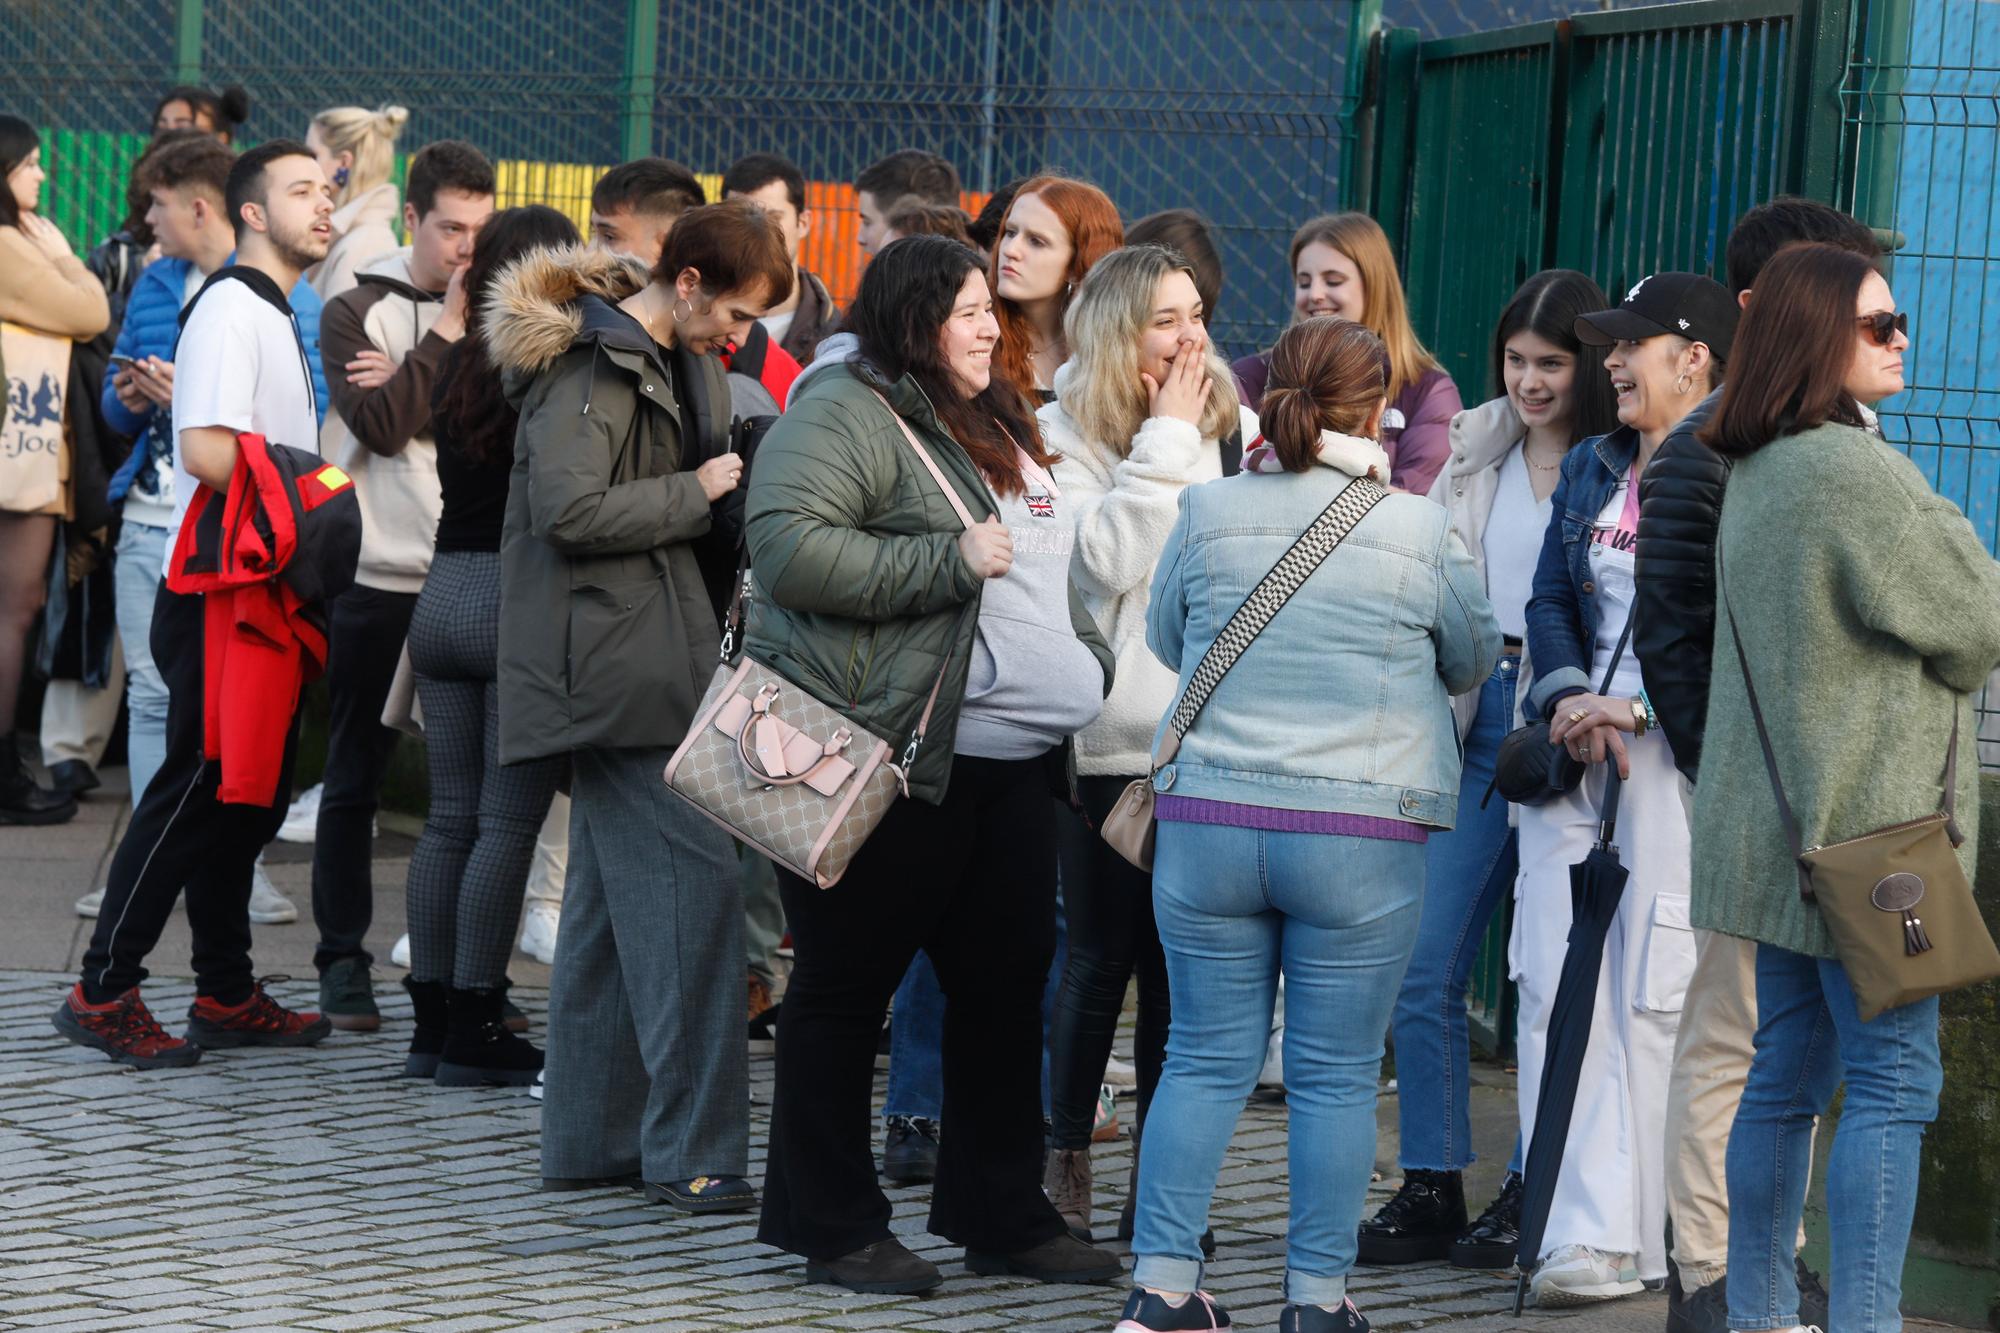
(123, 1029)
(258, 1021)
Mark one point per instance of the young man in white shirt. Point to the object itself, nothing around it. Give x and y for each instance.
(240, 367)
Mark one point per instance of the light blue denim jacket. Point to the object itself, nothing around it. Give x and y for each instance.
(1343, 703)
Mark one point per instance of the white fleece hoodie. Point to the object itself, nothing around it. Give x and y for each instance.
(1125, 505)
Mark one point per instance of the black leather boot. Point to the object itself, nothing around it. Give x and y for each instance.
(1420, 1223)
(433, 1014)
(1491, 1241)
(479, 1051)
(22, 799)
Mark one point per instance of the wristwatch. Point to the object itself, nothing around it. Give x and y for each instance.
(1642, 716)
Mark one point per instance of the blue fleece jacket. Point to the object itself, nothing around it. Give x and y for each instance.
(152, 322)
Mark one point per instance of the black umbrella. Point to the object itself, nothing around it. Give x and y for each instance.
(1596, 885)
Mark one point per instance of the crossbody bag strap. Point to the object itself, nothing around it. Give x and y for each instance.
(1268, 598)
(1786, 818)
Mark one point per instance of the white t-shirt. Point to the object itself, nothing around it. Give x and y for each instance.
(1512, 543)
(240, 365)
(1613, 562)
(779, 325)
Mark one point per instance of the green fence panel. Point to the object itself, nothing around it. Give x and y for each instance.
(1479, 224)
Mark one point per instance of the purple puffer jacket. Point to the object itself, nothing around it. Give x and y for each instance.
(1416, 431)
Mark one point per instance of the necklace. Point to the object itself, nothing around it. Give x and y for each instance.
(1529, 459)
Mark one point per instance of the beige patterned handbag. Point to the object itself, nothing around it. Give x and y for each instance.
(783, 772)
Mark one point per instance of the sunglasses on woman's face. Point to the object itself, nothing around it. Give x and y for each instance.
(1884, 325)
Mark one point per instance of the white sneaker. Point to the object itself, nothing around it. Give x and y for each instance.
(302, 820)
(1274, 1061)
(535, 1091)
(538, 932)
(90, 904)
(1579, 1275)
(268, 907)
(1118, 1074)
(400, 955)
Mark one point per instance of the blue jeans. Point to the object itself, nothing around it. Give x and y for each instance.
(135, 580)
(1466, 874)
(916, 1035)
(1339, 917)
(1809, 1035)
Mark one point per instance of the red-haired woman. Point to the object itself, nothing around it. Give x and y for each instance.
(1055, 229)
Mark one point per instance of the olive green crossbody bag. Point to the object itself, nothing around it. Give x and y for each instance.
(1895, 900)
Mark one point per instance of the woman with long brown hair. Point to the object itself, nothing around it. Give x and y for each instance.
(1866, 612)
(470, 867)
(1053, 232)
(1342, 265)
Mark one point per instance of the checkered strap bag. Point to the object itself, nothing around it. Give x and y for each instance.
(1130, 826)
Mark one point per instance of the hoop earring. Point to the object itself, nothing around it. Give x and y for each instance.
(675, 310)
(1684, 383)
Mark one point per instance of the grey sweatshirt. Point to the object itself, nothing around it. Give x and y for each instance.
(1033, 682)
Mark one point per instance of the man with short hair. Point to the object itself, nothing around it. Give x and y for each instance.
(385, 338)
(904, 173)
(186, 183)
(807, 313)
(633, 206)
(1673, 636)
(240, 368)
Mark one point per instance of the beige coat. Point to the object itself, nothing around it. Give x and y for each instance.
(364, 229)
(58, 296)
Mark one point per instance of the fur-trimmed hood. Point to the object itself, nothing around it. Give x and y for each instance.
(536, 310)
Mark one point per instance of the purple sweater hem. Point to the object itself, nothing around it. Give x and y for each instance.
(1271, 819)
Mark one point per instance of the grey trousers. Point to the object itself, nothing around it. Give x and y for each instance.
(763, 916)
(647, 1067)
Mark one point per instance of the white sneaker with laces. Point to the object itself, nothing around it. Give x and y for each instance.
(535, 1088)
(1120, 1075)
(268, 907)
(1579, 1275)
(302, 820)
(538, 932)
(400, 955)
(90, 904)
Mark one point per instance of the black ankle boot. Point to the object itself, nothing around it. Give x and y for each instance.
(22, 799)
(1420, 1223)
(1490, 1242)
(433, 1010)
(479, 1051)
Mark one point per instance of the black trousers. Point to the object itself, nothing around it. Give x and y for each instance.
(182, 837)
(973, 883)
(1112, 934)
(365, 641)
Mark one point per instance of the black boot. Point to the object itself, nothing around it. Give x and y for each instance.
(1419, 1223)
(1491, 1241)
(479, 1051)
(22, 799)
(433, 1010)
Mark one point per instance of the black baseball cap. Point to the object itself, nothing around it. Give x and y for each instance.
(1697, 308)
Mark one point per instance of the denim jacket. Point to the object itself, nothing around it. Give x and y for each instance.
(1562, 613)
(1343, 703)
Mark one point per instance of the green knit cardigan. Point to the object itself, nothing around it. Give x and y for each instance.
(1871, 614)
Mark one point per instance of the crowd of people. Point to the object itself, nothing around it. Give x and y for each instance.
(519, 491)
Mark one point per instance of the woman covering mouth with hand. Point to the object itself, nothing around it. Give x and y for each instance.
(1666, 345)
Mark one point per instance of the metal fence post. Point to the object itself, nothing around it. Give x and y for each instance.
(187, 41)
(642, 62)
(1360, 114)
(1822, 148)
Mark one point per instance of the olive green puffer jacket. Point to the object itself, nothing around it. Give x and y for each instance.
(860, 589)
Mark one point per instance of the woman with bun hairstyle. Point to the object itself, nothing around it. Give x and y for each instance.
(356, 148)
(187, 107)
(1140, 407)
(1292, 818)
(1342, 265)
(1506, 456)
(1053, 231)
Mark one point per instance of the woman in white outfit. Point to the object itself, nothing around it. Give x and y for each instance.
(1605, 1236)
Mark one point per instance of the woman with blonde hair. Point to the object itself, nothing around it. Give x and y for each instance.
(1052, 233)
(356, 148)
(1342, 265)
(1140, 409)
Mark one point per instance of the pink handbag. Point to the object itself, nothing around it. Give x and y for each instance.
(780, 770)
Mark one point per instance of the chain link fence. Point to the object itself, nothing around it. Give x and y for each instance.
(1232, 107)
